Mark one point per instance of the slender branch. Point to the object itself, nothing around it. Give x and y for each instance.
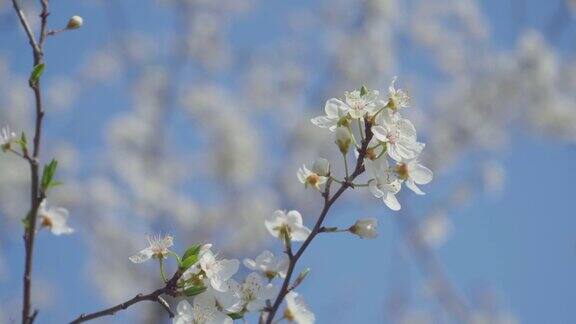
(26, 27)
(156, 296)
(36, 193)
(328, 202)
(445, 292)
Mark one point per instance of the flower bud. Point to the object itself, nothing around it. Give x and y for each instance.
(75, 22)
(343, 139)
(365, 228)
(321, 167)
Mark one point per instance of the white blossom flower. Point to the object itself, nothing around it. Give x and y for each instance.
(383, 183)
(296, 309)
(7, 137)
(321, 167)
(218, 271)
(290, 222)
(202, 311)
(358, 104)
(397, 98)
(335, 110)
(309, 178)
(158, 247)
(268, 264)
(386, 190)
(365, 228)
(399, 135)
(254, 292)
(414, 173)
(54, 218)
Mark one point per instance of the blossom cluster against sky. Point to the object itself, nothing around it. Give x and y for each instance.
(492, 83)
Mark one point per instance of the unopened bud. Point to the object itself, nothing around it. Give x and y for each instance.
(343, 139)
(321, 167)
(75, 22)
(365, 228)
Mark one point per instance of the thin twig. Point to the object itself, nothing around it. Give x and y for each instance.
(156, 296)
(36, 193)
(328, 202)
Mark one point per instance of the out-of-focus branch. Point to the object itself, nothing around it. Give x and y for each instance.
(444, 291)
(156, 296)
(328, 202)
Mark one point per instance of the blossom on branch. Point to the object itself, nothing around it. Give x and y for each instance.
(296, 309)
(203, 310)
(7, 137)
(281, 223)
(158, 248)
(54, 219)
(268, 264)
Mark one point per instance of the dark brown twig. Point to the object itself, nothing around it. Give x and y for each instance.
(328, 202)
(156, 296)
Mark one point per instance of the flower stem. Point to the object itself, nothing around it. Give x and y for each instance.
(162, 273)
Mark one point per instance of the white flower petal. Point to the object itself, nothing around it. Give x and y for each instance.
(142, 256)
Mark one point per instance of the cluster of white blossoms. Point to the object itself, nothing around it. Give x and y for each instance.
(212, 295)
(391, 156)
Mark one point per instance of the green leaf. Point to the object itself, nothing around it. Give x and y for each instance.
(192, 250)
(363, 90)
(23, 142)
(194, 290)
(48, 175)
(36, 73)
(237, 315)
(188, 262)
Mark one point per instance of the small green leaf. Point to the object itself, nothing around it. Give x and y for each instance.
(36, 73)
(48, 175)
(188, 262)
(363, 90)
(193, 250)
(194, 290)
(236, 316)
(301, 277)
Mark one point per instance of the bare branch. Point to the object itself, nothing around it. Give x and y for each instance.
(156, 296)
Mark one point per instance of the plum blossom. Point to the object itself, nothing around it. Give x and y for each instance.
(365, 228)
(268, 264)
(397, 98)
(296, 309)
(202, 311)
(7, 137)
(54, 219)
(335, 110)
(321, 167)
(310, 178)
(158, 247)
(359, 103)
(399, 135)
(254, 292)
(218, 271)
(414, 173)
(290, 223)
(386, 190)
(383, 184)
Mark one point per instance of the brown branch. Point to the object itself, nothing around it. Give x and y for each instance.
(36, 193)
(156, 296)
(328, 202)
